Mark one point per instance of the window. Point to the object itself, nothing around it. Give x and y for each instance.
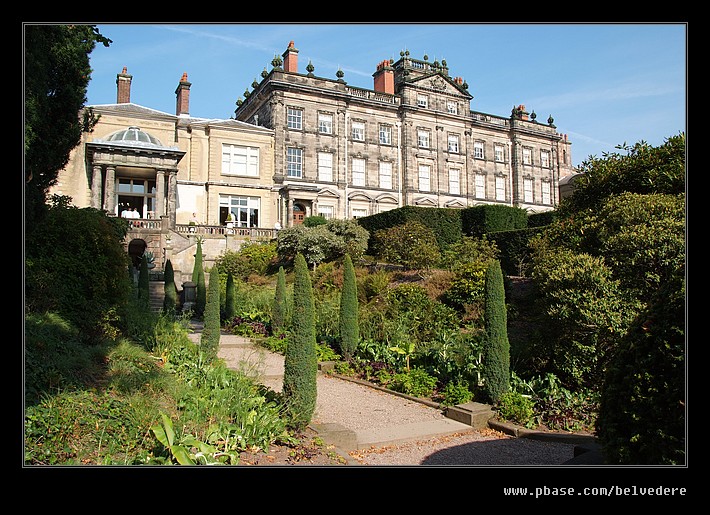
(499, 153)
(385, 175)
(424, 178)
(545, 159)
(240, 160)
(528, 190)
(294, 118)
(527, 156)
(358, 169)
(478, 150)
(423, 137)
(480, 186)
(358, 131)
(422, 101)
(385, 134)
(546, 193)
(452, 107)
(500, 188)
(454, 178)
(244, 209)
(359, 212)
(453, 145)
(325, 166)
(326, 211)
(294, 162)
(325, 123)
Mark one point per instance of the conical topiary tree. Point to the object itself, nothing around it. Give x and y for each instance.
(209, 340)
(496, 350)
(170, 299)
(348, 322)
(198, 277)
(278, 308)
(144, 280)
(300, 362)
(230, 298)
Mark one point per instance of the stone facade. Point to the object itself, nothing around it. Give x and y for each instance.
(345, 152)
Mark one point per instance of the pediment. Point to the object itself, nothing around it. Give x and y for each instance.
(425, 202)
(440, 83)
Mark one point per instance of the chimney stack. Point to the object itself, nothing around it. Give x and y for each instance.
(123, 83)
(183, 97)
(291, 58)
(384, 78)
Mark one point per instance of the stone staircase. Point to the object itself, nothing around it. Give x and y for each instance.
(156, 295)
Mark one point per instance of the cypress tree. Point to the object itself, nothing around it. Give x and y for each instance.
(348, 322)
(496, 352)
(198, 277)
(143, 280)
(170, 299)
(209, 341)
(278, 309)
(230, 299)
(300, 362)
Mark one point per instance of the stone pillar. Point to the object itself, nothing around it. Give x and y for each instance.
(96, 187)
(289, 213)
(159, 193)
(110, 190)
(172, 196)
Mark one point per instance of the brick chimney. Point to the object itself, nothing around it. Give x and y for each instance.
(183, 96)
(123, 87)
(384, 78)
(291, 58)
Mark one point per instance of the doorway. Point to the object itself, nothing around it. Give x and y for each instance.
(299, 213)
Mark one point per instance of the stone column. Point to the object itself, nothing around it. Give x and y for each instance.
(159, 193)
(110, 190)
(96, 187)
(289, 213)
(172, 196)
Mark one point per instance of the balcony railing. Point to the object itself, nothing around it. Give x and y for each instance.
(247, 233)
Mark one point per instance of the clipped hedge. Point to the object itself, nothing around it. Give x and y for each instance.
(479, 220)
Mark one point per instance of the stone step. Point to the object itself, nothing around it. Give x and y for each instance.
(474, 414)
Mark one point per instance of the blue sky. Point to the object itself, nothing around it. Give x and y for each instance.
(604, 84)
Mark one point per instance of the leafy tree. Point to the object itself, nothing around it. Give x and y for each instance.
(312, 221)
(75, 265)
(642, 410)
(278, 309)
(56, 74)
(496, 350)
(348, 322)
(411, 244)
(300, 361)
(230, 300)
(253, 257)
(323, 242)
(642, 169)
(209, 340)
(170, 300)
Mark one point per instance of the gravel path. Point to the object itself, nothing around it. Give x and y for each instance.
(359, 407)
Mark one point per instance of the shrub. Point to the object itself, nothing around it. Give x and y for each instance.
(198, 277)
(516, 407)
(230, 298)
(170, 299)
(455, 393)
(278, 310)
(413, 245)
(496, 352)
(300, 363)
(209, 340)
(415, 382)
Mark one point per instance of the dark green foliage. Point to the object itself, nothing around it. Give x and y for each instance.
(278, 309)
(230, 298)
(515, 254)
(541, 219)
(643, 169)
(75, 265)
(479, 220)
(300, 362)
(444, 222)
(348, 322)
(496, 351)
(170, 300)
(412, 245)
(642, 413)
(143, 280)
(198, 277)
(57, 72)
(312, 221)
(209, 340)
